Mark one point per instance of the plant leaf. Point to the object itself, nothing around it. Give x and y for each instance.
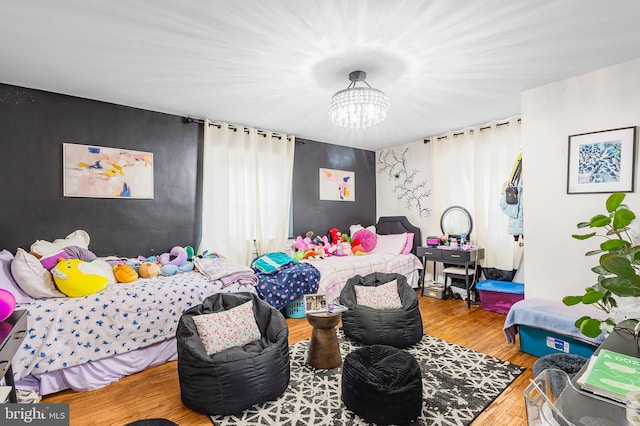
(583, 225)
(614, 200)
(618, 265)
(592, 297)
(590, 327)
(625, 287)
(599, 221)
(622, 218)
(592, 252)
(583, 237)
(614, 245)
(571, 300)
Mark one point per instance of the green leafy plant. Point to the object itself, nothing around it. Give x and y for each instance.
(618, 264)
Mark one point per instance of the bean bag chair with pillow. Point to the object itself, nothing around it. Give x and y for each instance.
(383, 309)
(233, 353)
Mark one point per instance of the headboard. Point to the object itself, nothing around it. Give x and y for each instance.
(399, 225)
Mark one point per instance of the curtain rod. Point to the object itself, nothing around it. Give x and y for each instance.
(234, 127)
(455, 134)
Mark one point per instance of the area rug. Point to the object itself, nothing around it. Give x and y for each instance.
(458, 383)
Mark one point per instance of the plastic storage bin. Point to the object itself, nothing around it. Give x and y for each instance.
(295, 309)
(541, 342)
(499, 296)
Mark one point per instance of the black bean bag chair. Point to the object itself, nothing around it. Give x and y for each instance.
(394, 327)
(382, 384)
(239, 377)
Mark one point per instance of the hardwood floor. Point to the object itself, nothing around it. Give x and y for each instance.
(156, 393)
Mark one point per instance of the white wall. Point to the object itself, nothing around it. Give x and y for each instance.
(418, 157)
(604, 99)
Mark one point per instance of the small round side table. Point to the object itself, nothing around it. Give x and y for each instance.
(324, 350)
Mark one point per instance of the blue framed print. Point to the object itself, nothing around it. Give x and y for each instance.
(602, 161)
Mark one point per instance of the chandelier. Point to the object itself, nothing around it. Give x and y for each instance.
(358, 107)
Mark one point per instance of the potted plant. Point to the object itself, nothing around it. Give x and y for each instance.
(618, 286)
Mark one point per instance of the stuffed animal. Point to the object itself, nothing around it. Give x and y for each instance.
(124, 273)
(336, 236)
(77, 278)
(148, 270)
(177, 256)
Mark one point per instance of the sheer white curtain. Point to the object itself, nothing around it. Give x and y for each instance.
(475, 163)
(246, 191)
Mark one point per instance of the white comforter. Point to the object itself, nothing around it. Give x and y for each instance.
(64, 332)
(336, 270)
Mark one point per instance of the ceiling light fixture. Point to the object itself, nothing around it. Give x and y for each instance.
(358, 107)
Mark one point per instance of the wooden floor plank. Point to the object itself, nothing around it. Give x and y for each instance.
(156, 393)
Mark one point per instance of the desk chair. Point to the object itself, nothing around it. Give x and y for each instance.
(459, 272)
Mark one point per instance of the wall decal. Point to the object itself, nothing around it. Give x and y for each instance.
(99, 172)
(407, 187)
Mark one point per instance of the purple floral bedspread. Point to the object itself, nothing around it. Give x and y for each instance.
(287, 284)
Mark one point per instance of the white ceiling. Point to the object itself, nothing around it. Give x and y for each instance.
(274, 64)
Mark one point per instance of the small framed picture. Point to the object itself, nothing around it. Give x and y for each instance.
(602, 161)
(315, 303)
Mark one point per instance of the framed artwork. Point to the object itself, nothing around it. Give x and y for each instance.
(602, 161)
(337, 185)
(315, 303)
(99, 172)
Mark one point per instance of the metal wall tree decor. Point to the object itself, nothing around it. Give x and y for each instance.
(407, 187)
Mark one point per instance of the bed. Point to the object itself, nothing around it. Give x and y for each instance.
(84, 343)
(336, 270)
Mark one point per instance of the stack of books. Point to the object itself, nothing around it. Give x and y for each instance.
(612, 375)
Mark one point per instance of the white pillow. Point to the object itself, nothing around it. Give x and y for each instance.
(354, 228)
(78, 238)
(384, 296)
(225, 329)
(391, 244)
(32, 277)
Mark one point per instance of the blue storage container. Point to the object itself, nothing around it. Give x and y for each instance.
(539, 342)
(499, 296)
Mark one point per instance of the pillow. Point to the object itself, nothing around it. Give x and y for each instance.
(355, 228)
(223, 330)
(391, 244)
(367, 239)
(407, 248)
(6, 279)
(75, 252)
(50, 261)
(31, 276)
(384, 296)
(77, 278)
(78, 238)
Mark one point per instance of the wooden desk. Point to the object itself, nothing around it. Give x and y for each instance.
(453, 256)
(12, 331)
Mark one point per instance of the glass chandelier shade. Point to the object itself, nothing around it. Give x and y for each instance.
(358, 107)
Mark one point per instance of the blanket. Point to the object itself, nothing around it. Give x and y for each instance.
(226, 271)
(550, 315)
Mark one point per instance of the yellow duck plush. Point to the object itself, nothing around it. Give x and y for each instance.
(77, 278)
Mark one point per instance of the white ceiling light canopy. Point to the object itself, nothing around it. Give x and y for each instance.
(358, 107)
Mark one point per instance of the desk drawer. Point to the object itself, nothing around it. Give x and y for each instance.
(455, 255)
(428, 252)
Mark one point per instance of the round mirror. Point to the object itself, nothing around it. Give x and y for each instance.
(456, 220)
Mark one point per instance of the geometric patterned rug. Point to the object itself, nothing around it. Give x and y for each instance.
(457, 384)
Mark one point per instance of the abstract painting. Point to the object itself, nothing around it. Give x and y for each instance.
(99, 172)
(602, 161)
(337, 185)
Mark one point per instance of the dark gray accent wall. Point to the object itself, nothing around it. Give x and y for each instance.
(33, 126)
(312, 214)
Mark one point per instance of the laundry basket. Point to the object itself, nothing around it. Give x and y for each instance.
(295, 309)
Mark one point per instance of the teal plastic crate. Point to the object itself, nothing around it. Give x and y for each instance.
(540, 342)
